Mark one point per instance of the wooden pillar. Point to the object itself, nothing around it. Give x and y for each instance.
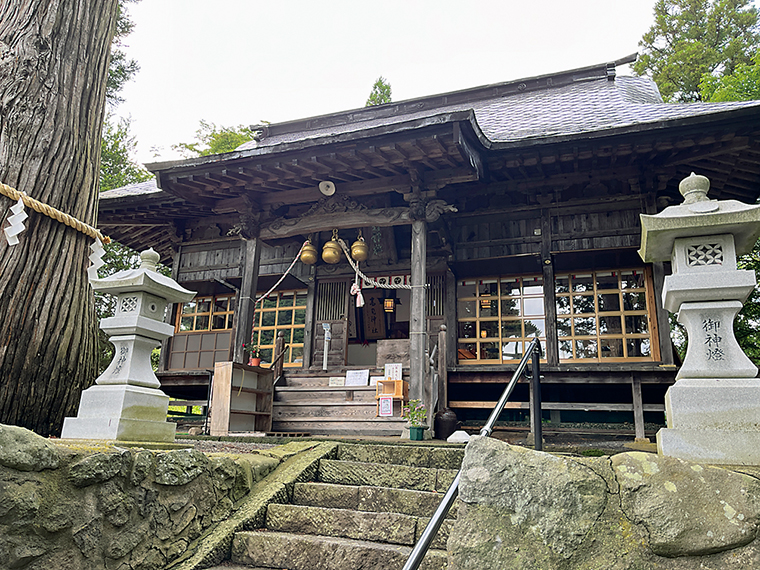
(638, 408)
(308, 333)
(246, 297)
(279, 346)
(443, 372)
(450, 319)
(550, 304)
(171, 315)
(418, 321)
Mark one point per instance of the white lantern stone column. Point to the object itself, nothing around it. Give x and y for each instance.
(126, 402)
(713, 409)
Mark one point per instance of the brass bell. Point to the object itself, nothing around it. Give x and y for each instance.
(359, 249)
(331, 250)
(309, 254)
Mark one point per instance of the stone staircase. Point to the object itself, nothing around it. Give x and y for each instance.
(366, 511)
(304, 402)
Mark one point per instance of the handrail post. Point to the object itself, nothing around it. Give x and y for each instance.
(535, 412)
(419, 550)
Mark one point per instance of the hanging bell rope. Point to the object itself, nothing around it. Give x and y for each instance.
(284, 275)
(51, 212)
(369, 280)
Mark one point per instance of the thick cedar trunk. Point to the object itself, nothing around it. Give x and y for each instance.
(53, 65)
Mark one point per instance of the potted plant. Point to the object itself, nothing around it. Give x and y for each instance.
(415, 414)
(254, 354)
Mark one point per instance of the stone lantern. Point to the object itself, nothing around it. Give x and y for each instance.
(713, 409)
(126, 402)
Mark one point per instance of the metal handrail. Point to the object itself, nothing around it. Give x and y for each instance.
(423, 544)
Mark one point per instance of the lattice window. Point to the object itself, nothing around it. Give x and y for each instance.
(704, 254)
(282, 311)
(128, 305)
(603, 315)
(206, 313)
(497, 317)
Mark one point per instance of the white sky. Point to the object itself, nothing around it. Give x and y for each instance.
(237, 62)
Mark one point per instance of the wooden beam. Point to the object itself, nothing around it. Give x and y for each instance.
(282, 228)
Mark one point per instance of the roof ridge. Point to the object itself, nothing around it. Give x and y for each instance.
(472, 94)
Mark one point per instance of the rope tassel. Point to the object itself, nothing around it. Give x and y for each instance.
(16, 222)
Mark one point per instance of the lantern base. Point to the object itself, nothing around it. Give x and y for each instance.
(712, 420)
(122, 413)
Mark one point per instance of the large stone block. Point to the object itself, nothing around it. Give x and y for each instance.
(121, 412)
(715, 446)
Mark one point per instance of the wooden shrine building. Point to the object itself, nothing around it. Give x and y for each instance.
(507, 212)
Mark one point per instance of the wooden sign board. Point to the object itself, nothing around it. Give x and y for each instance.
(393, 371)
(393, 350)
(357, 377)
(374, 316)
(337, 381)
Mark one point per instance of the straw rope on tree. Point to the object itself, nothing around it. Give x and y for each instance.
(51, 212)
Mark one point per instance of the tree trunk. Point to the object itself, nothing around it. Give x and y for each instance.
(53, 65)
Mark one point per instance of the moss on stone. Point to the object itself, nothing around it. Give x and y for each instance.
(301, 464)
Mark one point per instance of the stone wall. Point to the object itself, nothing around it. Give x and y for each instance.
(98, 506)
(529, 510)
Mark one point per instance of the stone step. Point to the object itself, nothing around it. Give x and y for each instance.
(411, 455)
(369, 499)
(385, 475)
(312, 552)
(386, 527)
(393, 528)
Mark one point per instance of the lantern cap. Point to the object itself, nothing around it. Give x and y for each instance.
(144, 278)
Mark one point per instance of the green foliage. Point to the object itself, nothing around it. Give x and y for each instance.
(414, 412)
(743, 85)
(117, 168)
(691, 38)
(210, 139)
(747, 323)
(380, 94)
(120, 69)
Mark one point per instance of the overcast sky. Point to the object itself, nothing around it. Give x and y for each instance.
(237, 62)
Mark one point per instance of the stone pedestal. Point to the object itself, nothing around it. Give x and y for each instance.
(121, 412)
(126, 403)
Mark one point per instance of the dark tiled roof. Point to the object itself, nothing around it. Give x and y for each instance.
(138, 189)
(588, 106)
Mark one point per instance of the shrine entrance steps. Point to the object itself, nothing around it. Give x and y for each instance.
(366, 510)
(304, 402)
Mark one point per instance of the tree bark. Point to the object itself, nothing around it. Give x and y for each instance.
(54, 57)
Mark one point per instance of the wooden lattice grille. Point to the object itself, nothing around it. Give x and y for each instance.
(331, 300)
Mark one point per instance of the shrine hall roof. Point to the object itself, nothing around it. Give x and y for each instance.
(541, 109)
(582, 103)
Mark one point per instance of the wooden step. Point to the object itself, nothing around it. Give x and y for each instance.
(357, 427)
(312, 552)
(325, 393)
